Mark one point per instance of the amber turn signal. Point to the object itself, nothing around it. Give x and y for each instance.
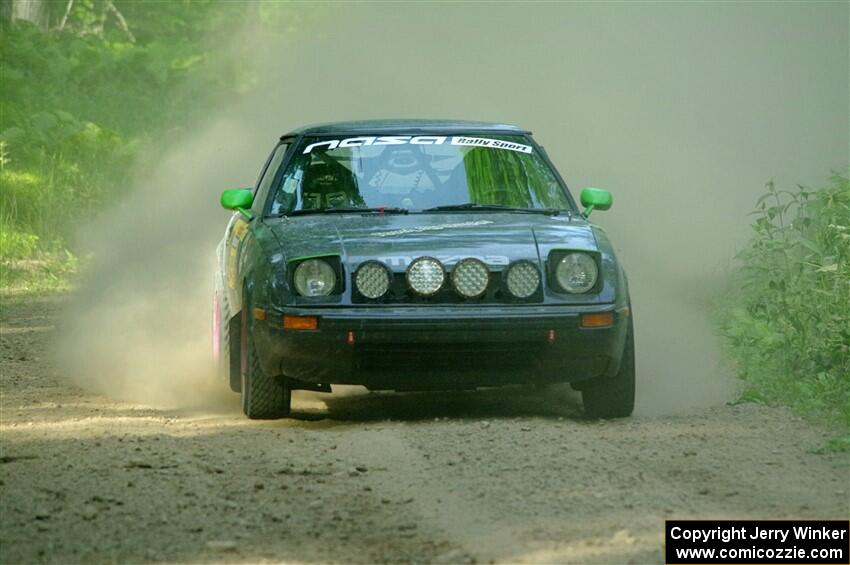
(300, 322)
(597, 320)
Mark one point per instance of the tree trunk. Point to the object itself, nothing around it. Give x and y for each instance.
(34, 11)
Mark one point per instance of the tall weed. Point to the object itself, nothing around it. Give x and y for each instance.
(786, 316)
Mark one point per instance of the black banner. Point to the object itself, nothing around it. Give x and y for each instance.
(816, 542)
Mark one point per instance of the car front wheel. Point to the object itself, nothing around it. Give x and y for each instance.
(614, 397)
(263, 396)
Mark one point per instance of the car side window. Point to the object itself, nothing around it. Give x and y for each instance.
(266, 182)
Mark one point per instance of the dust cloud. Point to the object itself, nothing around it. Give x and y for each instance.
(682, 110)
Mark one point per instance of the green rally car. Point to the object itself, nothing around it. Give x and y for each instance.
(418, 255)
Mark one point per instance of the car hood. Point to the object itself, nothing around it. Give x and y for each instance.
(497, 239)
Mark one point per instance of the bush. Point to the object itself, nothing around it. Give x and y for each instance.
(78, 106)
(786, 317)
(84, 98)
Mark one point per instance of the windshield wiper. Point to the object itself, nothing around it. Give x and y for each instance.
(348, 210)
(492, 208)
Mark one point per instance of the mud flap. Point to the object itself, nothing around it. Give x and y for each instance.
(235, 329)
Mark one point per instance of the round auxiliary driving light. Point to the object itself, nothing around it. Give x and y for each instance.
(522, 279)
(425, 276)
(470, 278)
(372, 279)
(314, 277)
(576, 272)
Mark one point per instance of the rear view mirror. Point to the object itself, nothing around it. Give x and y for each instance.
(595, 199)
(239, 199)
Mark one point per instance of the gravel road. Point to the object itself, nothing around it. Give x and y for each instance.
(505, 476)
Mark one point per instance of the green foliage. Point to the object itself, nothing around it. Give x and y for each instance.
(18, 245)
(81, 103)
(786, 317)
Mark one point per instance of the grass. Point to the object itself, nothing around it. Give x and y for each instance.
(36, 211)
(48, 273)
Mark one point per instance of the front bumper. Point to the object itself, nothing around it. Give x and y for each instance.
(414, 348)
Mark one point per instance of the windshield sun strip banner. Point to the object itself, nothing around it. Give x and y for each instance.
(331, 144)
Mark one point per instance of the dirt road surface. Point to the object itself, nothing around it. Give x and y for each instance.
(501, 476)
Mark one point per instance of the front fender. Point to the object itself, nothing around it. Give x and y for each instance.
(612, 268)
(262, 265)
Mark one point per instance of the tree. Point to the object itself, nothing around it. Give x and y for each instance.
(33, 11)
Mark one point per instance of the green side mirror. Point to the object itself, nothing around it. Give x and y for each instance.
(238, 199)
(595, 198)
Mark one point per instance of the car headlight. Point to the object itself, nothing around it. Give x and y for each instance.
(425, 276)
(372, 279)
(314, 277)
(522, 279)
(576, 272)
(471, 278)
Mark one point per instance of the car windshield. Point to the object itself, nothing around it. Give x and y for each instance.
(416, 173)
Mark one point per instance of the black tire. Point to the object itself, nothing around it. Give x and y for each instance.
(264, 397)
(614, 397)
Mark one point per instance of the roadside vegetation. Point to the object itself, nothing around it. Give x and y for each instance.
(89, 90)
(786, 315)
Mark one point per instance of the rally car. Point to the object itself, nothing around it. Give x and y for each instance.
(418, 255)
